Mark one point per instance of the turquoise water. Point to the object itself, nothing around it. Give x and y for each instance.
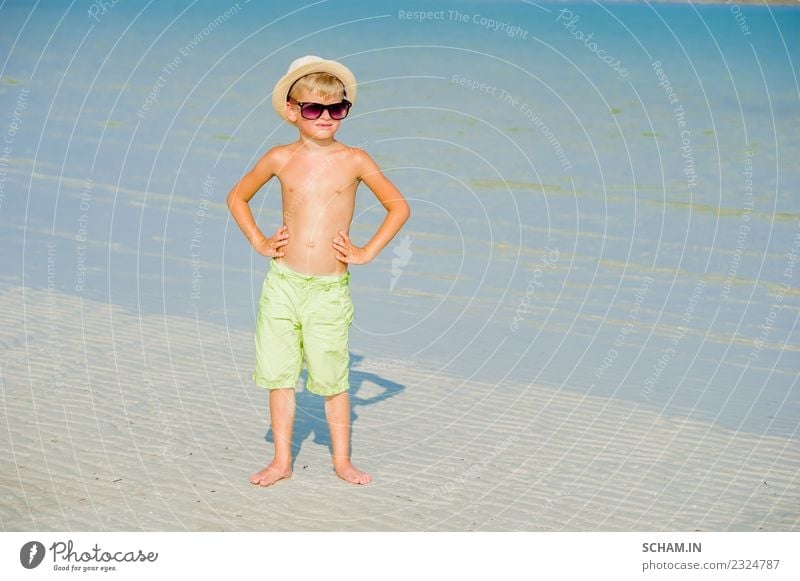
(605, 196)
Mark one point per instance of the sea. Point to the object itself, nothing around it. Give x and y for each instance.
(605, 196)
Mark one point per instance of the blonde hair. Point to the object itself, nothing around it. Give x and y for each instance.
(325, 85)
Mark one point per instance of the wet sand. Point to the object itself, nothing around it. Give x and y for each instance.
(154, 425)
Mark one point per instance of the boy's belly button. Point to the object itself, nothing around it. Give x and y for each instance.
(310, 244)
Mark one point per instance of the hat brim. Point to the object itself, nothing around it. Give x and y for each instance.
(281, 91)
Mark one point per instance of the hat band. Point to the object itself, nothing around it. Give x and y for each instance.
(344, 89)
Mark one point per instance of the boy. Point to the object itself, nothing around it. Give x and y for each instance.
(305, 309)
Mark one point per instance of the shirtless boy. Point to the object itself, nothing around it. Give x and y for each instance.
(305, 309)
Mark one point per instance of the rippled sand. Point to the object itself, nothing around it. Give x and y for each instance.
(118, 421)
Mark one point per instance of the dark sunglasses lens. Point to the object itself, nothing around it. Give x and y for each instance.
(339, 110)
(311, 110)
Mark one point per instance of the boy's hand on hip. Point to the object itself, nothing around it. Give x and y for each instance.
(347, 252)
(272, 246)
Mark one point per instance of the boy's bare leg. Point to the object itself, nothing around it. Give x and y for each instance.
(337, 410)
(281, 413)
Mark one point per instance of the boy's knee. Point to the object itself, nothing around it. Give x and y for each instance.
(337, 396)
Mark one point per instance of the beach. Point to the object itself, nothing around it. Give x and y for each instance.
(134, 450)
(589, 323)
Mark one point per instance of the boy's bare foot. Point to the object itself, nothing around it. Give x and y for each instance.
(346, 471)
(271, 474)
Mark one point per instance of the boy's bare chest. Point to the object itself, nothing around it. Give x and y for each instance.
(323, 180)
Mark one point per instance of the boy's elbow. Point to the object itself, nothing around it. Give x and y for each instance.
(231, 200)
(402, 210)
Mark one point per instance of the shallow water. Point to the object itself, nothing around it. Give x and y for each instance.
(616, 234)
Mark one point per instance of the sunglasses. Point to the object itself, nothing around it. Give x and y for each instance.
(337, 111)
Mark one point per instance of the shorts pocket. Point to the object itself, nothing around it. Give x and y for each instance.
(346, 304)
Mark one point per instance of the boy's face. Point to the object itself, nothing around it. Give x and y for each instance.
(324, 127)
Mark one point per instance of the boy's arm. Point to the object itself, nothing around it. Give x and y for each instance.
(239, 207)
(390, 198)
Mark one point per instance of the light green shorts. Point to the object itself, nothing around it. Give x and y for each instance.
(301, 317)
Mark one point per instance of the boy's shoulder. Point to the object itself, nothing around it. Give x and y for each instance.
(357, 152)
(281, 153)
(357, 159)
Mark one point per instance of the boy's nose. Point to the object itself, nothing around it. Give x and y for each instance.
(326, 115)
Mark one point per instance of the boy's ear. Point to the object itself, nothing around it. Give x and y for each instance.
(291, 112)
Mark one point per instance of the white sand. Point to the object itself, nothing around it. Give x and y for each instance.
(157, 426)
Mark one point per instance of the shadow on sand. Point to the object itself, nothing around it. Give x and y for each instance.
(310, 412)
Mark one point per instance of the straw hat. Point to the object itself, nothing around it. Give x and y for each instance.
(305, 66)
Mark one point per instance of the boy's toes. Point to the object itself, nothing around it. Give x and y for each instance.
(353, 475)
(269, 476)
